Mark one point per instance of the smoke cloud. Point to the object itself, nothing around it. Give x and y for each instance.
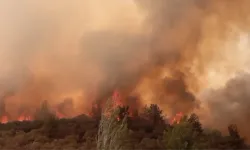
(163, 51)
(229, 105)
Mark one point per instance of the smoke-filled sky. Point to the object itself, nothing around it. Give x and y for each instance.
(183, 55)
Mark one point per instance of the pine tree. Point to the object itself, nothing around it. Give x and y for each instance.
(153, 113)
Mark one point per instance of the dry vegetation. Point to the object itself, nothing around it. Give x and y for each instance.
(147, 131)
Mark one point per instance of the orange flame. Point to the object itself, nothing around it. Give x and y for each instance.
(117, 99)
(4, 119)
(116, 102)
(176, 118)
(24, 118)
(59, 115)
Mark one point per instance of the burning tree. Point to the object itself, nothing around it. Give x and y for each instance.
(113, 130)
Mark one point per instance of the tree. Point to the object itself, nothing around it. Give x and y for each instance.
(234, 137)
(179, 136)
(113, 133)
(44, 113)
(123, 112)
(233, 131)
(194, 120)
(153, 113)
(187, 134)
(96, 110)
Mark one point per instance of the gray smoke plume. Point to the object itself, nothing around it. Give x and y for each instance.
(230, 105)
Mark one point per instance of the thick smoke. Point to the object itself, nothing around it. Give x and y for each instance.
(160, 51)
(230, 104)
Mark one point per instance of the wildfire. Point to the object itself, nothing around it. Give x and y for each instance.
(116, 102)
(59, 115)
(24, 118)
(4, 119)
(117, 99)
(176, 118)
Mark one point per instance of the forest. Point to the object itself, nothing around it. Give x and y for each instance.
(116, 129)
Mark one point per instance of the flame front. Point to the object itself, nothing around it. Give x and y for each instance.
(4, 119)
(60, 115)
(24, 118)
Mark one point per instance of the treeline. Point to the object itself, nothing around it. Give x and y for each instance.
(115, 129)
(187, 133)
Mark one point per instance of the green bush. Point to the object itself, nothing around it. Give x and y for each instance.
(189, 134)
(179, 136)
